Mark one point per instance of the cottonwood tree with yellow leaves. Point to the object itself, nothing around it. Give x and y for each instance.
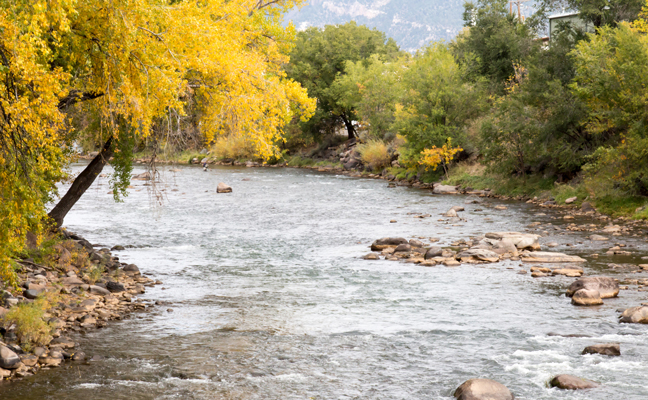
(126, 63)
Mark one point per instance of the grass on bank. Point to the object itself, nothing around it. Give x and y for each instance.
(29, 319)
(610, 202)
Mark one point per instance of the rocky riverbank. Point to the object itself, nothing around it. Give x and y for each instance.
(76, 290)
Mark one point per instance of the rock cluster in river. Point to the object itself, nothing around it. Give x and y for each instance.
(490, 248)
(83, 304)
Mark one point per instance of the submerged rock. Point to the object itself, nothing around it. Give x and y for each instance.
(572, 382)
(482, 389)
(586, 297)
(607, 287)
(606, 349)
(372, 256)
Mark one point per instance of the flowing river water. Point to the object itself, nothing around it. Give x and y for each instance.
(270, 298)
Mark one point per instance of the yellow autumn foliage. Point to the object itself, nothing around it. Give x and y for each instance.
(432, 158)
(130, 62)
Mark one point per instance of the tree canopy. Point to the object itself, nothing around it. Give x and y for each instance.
(127, 63)
(320, 57)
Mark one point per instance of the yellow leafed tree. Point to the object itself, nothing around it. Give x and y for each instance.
(432, 158)
(129, 62)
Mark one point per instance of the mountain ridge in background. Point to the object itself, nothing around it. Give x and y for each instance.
(412, 23)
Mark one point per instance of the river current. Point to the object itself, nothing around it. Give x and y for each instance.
(265, 295)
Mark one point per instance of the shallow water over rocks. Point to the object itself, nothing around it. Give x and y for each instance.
(271, 298)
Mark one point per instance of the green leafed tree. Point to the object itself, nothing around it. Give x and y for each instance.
(320, 57)
(492, 42)
(373, 89)
(437, 103)
(611, 79)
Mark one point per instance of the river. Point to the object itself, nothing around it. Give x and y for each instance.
(266, 296)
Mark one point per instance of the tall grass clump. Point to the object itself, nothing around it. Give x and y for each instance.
(233, 147)
(29, 319)
(375, 154)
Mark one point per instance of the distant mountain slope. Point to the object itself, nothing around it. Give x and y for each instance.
(412, 23)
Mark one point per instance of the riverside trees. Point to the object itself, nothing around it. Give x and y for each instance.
(573, 107)
(123, 65)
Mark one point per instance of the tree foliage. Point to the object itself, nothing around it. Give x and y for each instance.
(437, 103)
(611, 79)
(128, 63)
(320, 58)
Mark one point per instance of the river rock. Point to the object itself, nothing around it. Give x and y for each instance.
(586, 297)
(635, 315)
(598, 238)
(587, 207)
(607, 287)
(572, 272)
(571, 200)
(144, 176)
(504, 247)
(451, 213)
(444, 189)
(433, 251)
(415, 243)
(482, 389)
(520, 240)
(132, 268)
(458, 208)
(606, 349)
(32, 293)
(572, 382)
(223, 188)
(384, 243)
(478, 254)
(117, 248)
(372, 256)
(8, 359)
(72, 281)
(549, 257)
(94, 289)
(403, 247)
(115, 287)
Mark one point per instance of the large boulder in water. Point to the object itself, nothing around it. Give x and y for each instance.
(572, 382)
(607, 287)
(482, 389)
(586, 297)
(387, 242)
(635, 315)
(520, 240)
(223, 188)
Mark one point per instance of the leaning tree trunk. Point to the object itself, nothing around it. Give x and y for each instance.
(349, 126)
(81, 184)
